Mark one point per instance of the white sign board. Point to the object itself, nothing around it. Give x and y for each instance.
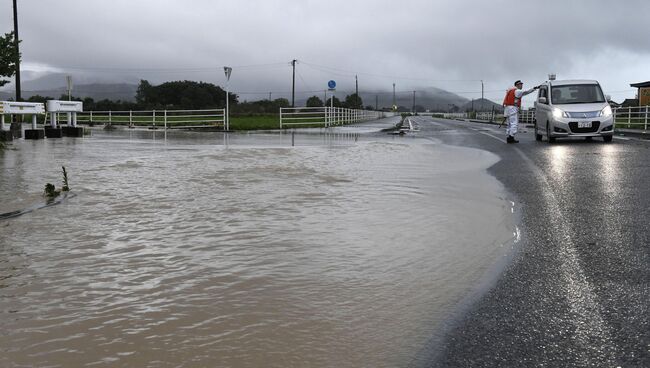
(64, 106)
(20, 108)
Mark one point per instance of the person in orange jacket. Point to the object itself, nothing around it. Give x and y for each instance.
(511, 105)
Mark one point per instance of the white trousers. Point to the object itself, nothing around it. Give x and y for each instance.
(512, 114)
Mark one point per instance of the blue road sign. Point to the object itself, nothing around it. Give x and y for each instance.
(331, 84)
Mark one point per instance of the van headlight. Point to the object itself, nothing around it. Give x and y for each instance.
(606, 112)
(557, 113)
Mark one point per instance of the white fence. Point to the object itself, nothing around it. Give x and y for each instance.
(167, 119)
(525, 116)
(632, 117)
(324, 116)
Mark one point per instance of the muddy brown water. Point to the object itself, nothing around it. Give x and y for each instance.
(200, 250)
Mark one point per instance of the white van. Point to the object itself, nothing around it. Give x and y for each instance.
(572, 108)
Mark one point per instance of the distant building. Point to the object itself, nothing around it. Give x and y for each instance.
(643, 92)
(613, 104)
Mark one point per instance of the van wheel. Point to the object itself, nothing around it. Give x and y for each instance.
(538, 137)
(608, 138)
(548, 134)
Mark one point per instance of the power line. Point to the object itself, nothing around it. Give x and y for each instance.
(353, 73)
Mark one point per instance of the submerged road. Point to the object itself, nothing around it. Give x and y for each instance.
(577, 291)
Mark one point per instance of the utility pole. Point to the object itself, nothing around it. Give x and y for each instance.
(413, 102)
(394, 96)
(376, 102)
(270, 96)
(68, 80)
(356, 83)
(18, 97)
(293, 84)
(482, 99)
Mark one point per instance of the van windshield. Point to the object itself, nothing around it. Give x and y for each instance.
(576, 94)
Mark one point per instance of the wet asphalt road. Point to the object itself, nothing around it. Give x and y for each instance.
(577, 290)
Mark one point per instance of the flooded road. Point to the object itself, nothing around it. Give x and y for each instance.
(344, 250)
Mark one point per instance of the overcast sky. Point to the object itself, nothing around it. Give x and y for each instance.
(414, 44)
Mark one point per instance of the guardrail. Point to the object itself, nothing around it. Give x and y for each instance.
(167, 119)
(324, 116)
(632, 117)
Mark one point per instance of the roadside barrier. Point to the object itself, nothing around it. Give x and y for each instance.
(167, 119)
(324, 116)
(635, 117)
(525, 116)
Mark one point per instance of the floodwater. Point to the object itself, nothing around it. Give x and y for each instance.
(343, 250)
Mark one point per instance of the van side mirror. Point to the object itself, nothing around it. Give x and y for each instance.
(542, 100)
(608, 97)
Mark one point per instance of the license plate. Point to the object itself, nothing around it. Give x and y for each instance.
(584, 124)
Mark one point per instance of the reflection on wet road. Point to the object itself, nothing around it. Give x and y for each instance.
(578, 292)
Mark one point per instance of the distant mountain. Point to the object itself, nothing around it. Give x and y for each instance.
(97, 91)
(481, 105)
(55, 84)
(433, 99)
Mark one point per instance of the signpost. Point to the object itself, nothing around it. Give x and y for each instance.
(227, 70)
(331, 86)
(24, 108)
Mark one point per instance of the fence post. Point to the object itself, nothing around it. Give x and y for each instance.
(629, 115)
(645, 124)
(110, 117)
(280, 118)
(165, 120)
(91, 116)
(130, 118)
(154, 119)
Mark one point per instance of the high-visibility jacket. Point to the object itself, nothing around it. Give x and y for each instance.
(511, 99)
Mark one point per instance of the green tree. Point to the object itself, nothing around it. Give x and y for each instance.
(353, 101)
(182, 95)
(314, 101)
(337, 102)
(281, 102)
(39, 98)
(145, 93)
(8, 57)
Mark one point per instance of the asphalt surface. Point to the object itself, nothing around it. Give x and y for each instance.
(577, 290)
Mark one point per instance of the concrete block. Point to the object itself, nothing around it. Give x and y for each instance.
(16, 130)
(53, 132)
(6, 135)
(77, 132)
(34, 133)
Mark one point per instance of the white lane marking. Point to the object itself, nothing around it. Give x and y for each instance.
(492, 136)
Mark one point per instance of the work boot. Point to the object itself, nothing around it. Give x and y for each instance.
(510, 139)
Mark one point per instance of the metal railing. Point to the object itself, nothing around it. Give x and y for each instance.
(167, 119)
(324, 116)
(632, 117)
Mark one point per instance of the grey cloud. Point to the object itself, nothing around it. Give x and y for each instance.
(416, 44)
